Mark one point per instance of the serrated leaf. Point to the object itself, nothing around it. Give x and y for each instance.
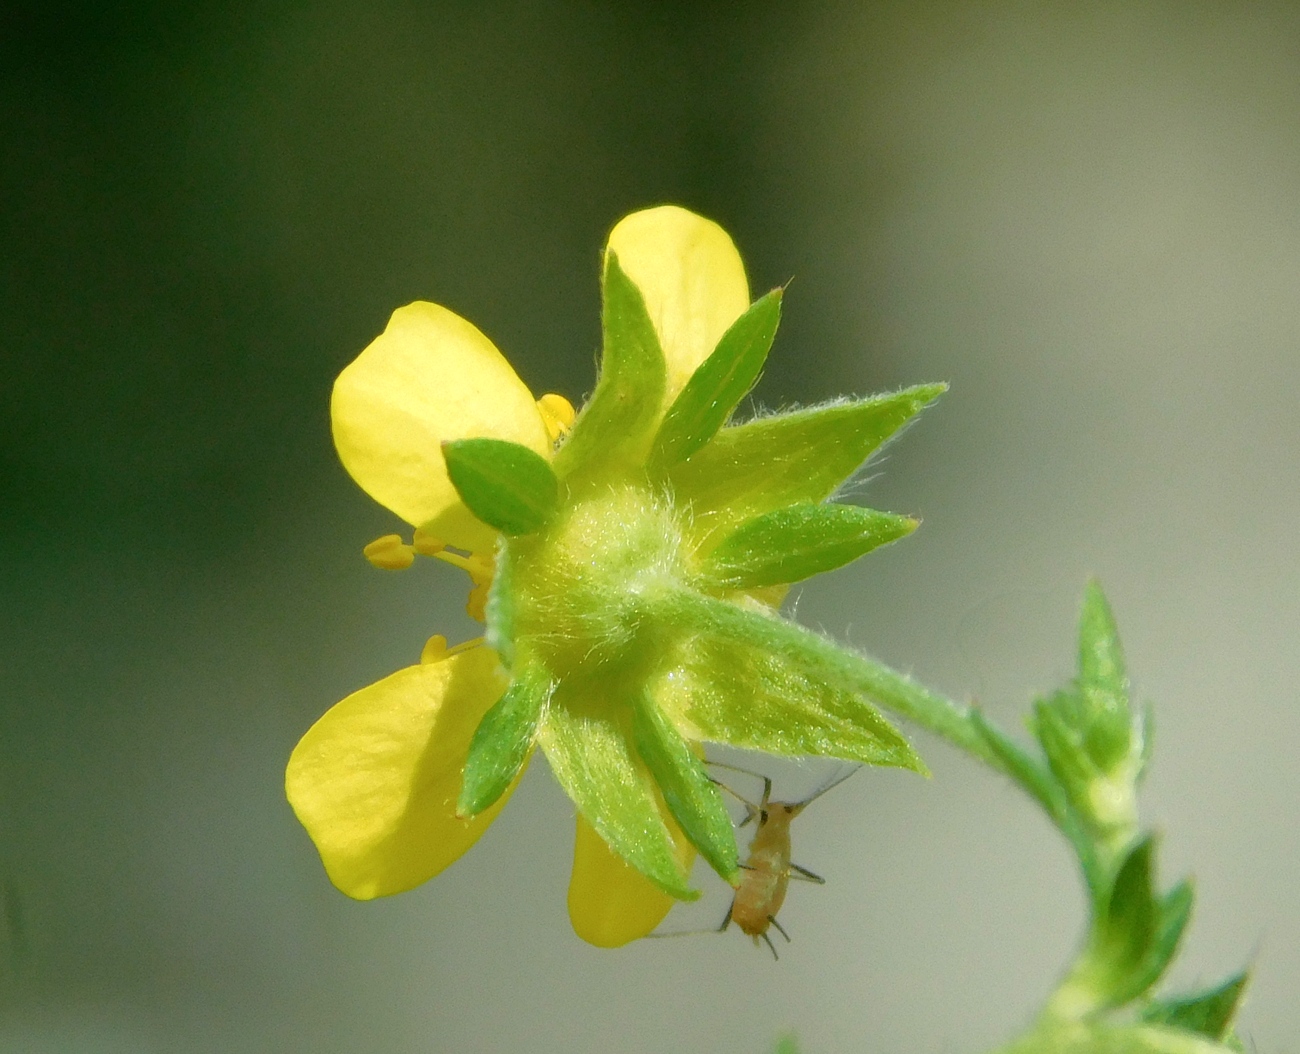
(802, 456)
(718, 384)
(1208, 1013)
(755, 699)
(587, 740)
(800, 541)
(617, 423)
(502, 742)
(505, 485)
(691, 796)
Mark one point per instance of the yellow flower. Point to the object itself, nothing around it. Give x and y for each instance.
(376, 780)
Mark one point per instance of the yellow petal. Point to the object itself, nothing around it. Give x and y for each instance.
(375, 780)
(611, 902)
(429, 377)
(690, 274)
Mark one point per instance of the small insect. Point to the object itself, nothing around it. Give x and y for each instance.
(766, 873)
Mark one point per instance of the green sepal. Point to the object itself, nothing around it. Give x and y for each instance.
(504, 484)
(758, 699)
(800, 541)
(802, 456)
(691, 796)
(502, 742)
(587, 740)
(1208, 1013)
(718, 384)
(617, 423)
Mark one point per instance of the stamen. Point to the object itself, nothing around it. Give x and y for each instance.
(480, 567)
(557, 414)
(476, 605)
(390, 553)
(427, 544)
(436, 650)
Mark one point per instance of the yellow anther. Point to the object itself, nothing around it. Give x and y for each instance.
(427, 544)
(435, 649)
(390, 553)
(557, 414)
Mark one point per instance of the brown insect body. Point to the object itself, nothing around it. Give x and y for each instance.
(765, 875)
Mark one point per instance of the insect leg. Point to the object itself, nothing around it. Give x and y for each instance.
(727, 921)
(771, 945)
(805, 875)
(779, 928)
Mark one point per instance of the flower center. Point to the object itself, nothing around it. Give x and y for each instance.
(576, 587)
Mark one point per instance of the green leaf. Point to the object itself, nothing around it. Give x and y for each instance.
(692, 797)
(1055, 725)
(800, 541)
(1123, 936)
(616, 425)
(505, 485)
(587, 740)
(1023, 767)
(1078, 1038)
(1039, 781)
(718, 384)
(502, 742)
(1173, 913)
(1101, 659)
(1208, 1013)
(802, 456)
(756, 699)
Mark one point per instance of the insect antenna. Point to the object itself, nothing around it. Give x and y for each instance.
(834, 782)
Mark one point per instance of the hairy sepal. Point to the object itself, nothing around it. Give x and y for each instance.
(502, 741)
(587, 739)
(801, 456)
(691, 796)
(751, 698)
(800, 541)
(506, 485)
(618, 422)
(718, 384)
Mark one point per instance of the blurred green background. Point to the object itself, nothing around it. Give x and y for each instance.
(1084, 216)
